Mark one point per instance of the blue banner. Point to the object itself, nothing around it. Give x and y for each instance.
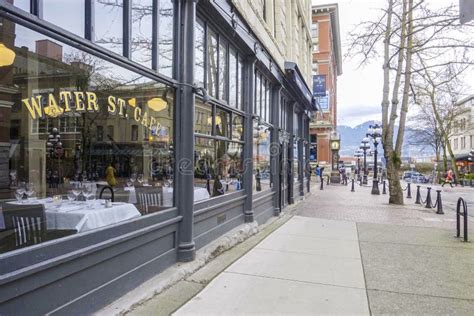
(319, 85)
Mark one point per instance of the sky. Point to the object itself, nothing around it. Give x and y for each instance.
(360, 89)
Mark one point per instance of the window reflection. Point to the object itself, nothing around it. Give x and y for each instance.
(74, 125)
(141, 42)
(218, 168)
(22, 4)
(212, 62)
(165, 36)
(199, 62)
(261, 157)
(109, 31)
(222, 123)
(66, 14)
(232, 77)
(223, 69)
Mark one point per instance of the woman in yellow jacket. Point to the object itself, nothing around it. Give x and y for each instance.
(110, 175)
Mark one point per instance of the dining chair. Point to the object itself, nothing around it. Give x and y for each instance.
(150, 200)
(26, 224)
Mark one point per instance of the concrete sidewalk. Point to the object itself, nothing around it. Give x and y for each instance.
(307, 266)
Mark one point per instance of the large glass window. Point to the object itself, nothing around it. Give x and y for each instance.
(261, 157)
(142, 25)
(218, 151)
(262, 97)
(199, 54)
(22, 4)
(165, 36)
(223, 66)
(66, 14)
(223, 70)
(212, 63)
(109, 31)
(73, 125)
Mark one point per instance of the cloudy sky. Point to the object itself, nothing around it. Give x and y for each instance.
(360, 89)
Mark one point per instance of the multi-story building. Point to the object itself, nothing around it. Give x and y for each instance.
(326, 67)
(462, 138)
(193, 114)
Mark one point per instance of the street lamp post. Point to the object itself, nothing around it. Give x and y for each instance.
(375, 132)
(358, 153)
(55, 149)
(365, 146)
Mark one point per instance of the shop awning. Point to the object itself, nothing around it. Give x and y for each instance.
(303, 93)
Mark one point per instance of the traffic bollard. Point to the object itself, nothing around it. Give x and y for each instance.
(428, 198)
(384, 189)
(439, 204)
(322, 184)
(409, 191)
(352, 188)
(418, 195)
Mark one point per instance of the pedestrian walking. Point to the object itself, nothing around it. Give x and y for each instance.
(317, 171)
(449, 178)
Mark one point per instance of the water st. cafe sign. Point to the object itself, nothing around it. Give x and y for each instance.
(50, 105)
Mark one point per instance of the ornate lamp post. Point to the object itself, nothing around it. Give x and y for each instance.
(375, 132)
(358, 154)
(335, 144)
(364, 146)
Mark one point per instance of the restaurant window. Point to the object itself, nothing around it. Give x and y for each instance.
(222, 65)
(218, 151)
(51, 148)
(223, 70)
(261, 156)
(66, 14)
(262, 97)
(165, 36)
(199, 65)
(109, 31)
(142, 26)
(22, 4)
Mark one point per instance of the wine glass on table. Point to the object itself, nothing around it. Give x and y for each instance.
(76, 190)
(87, 191)
(19, 193)
(140, 178)
(30, 190)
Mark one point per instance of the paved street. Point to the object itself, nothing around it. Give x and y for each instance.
(346, 253)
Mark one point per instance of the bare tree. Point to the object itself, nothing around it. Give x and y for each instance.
(405, 30)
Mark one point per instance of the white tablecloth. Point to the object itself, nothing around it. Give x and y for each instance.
(83, 218)
(199, 194)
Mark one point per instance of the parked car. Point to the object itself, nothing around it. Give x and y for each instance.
(414, 177)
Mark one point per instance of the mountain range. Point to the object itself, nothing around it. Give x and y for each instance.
(351, 138)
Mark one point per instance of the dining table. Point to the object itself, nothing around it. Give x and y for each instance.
(83, 215)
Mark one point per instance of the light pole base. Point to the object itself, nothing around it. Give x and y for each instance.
(335, 177)
(375, 187)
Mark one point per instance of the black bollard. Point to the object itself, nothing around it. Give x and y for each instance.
(352, 188)
(429, 204)
(409, 191)
(322, 184)
(439, 204)
(418, 195)
(327, 182)
(384, 189)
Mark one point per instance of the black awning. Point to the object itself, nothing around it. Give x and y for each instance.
(299, 85)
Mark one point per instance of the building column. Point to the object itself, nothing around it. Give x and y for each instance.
(248, 138)
(275, 147)
(300, 121)
(291, 156)
(184, 144)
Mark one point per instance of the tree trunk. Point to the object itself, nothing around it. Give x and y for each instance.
(394, 186)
